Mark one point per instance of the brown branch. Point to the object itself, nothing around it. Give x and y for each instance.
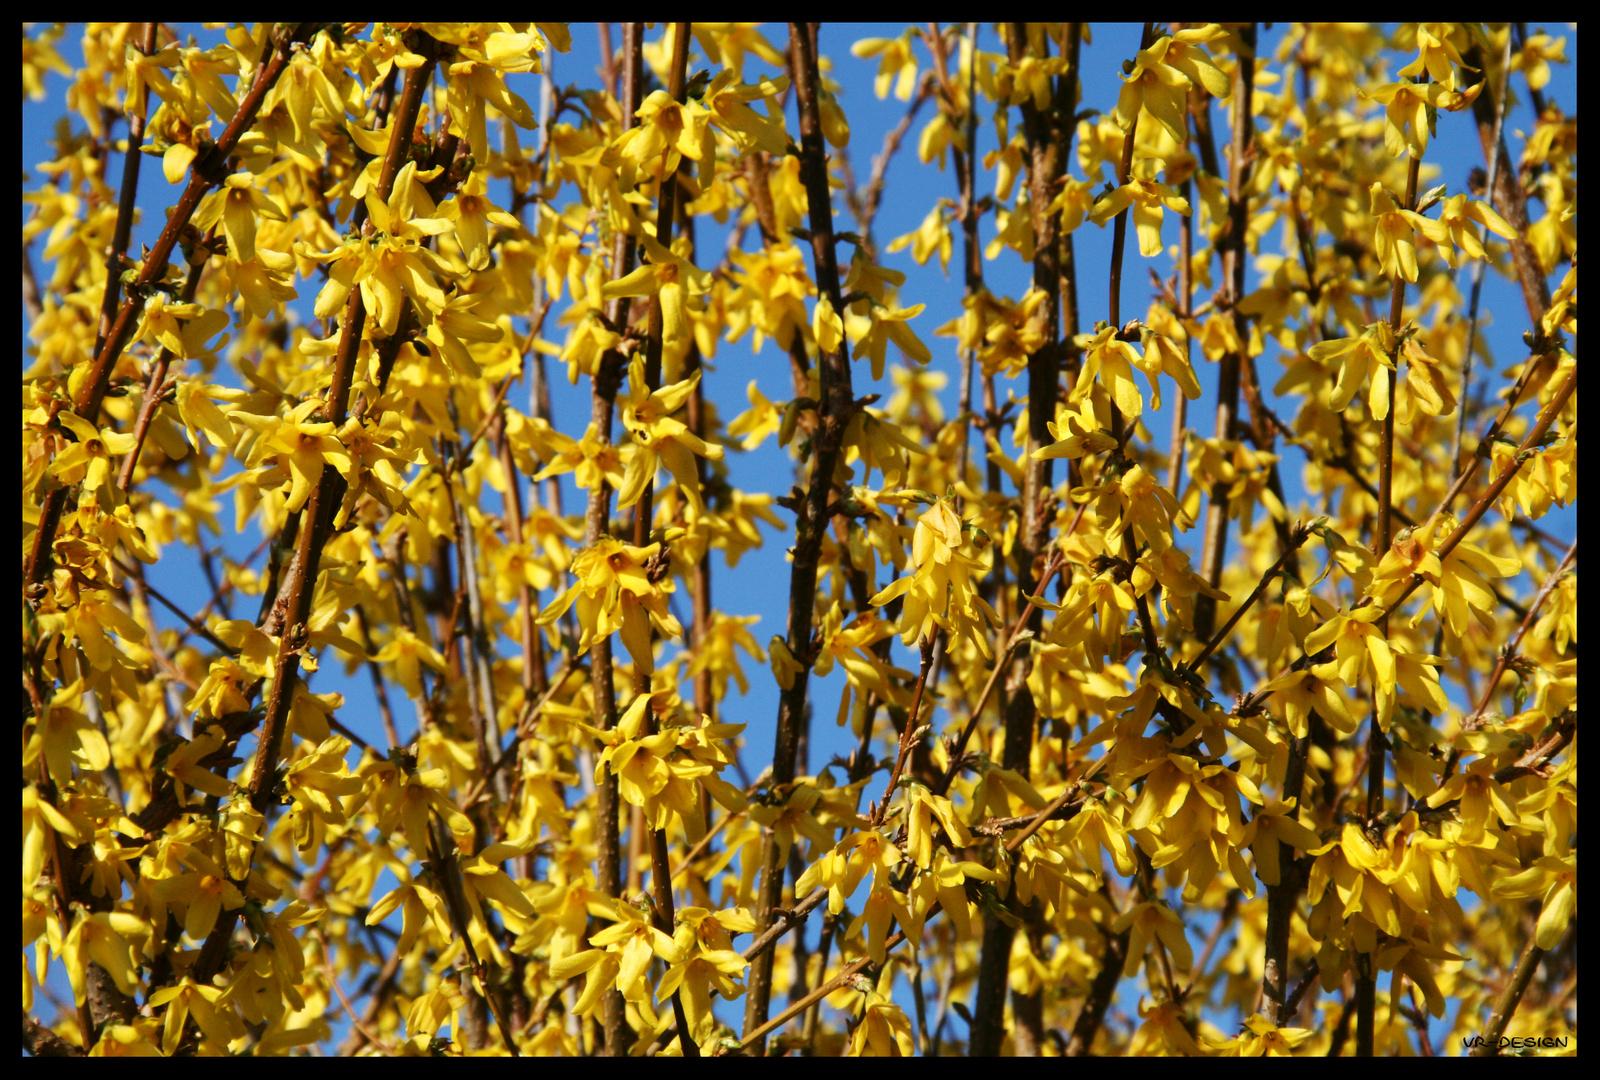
(909, 735)
(1506, 654)
(1215, 544)
(1505, 1006)
(40, 1041)
(834, 412)
(1299, 537)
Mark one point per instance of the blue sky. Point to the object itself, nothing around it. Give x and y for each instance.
(759, 585)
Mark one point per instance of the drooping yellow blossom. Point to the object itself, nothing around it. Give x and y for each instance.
(614, 591)
(943, 589)
(1393, 241)
(672, 277)
(660, 438)
(1147, 196)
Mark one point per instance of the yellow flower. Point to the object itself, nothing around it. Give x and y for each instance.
(756, 423)
(770, 296)
(1165, 1031)
(714, 651)
(1357, 643)
(708, 961)
(884, 1029)
(482, 879)
(183, 764)
(300, 445)
(785, 667)
(1266, 1039)
(666, 128)
(614, 592)
(316, 783)
(896, 63)
(439, 1004)
(889, 324)
(407, 797)
(1004, 334)
(456, 322)
(1147, 921)
(212, 1015)
(1076, 433)
(933, 235)
(1406, 120)
(945, 881)
(674, 278)
(840, 871)
(1147, 196)
(420, 906)
(473, 212)
(589, 459)
(39, 820)
(883, 908)
(183, 329)
(851, 645)
(1535, 57)
(826, 326)
(371, 444)
(661, 439)
(202, 894)
(791, 808)
(476, 80)
(1111, 360)
(1358, 358)
(1392, 240)
(621, 958)
(1162, 355)
(1557, 880)
(1273, 824)
(396, 263)
(729, 110)
(1318, 687)
(879, 443)
(1457, 216)
(1457, 586)
(236, 205)
(222, 691)
(1150, 508)
(408, 652)
(1427, 387)
(1484, 801)
(1157, 88)
(102, 937)
(64, 735)
(916, 390)
(88, 459)
(925, 808)
(659, 772)
(943, 589)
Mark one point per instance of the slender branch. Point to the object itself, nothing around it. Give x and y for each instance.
(597, 521)
(1301, 534)
(1479, 266)
(909, 735)
(1510, 651)
(1016, 637)
(1505, 1006)
(1232, 247)
(834, 412)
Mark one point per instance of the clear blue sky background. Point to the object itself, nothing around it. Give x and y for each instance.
(759, 585)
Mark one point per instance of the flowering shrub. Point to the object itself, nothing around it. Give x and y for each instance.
(1175, 736)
